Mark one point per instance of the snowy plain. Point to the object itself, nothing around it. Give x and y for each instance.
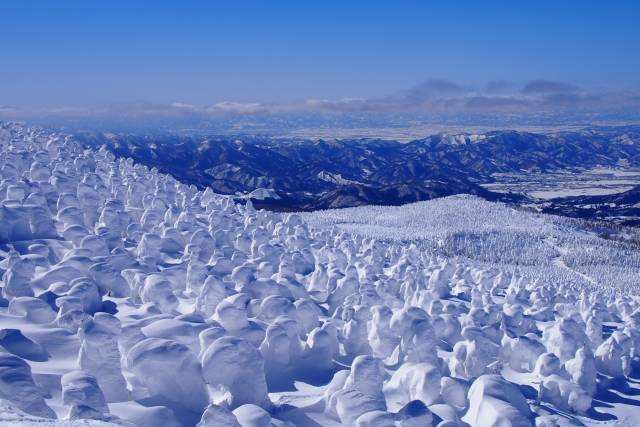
(551, 185)
(131, 299)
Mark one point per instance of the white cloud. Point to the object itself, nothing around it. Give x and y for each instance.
(432, 96)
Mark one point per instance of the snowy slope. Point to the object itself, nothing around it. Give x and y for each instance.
(543, 246)
(130, 298)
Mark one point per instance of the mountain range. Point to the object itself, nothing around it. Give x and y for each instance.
(302, 174)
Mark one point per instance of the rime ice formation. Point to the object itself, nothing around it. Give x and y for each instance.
(99, 354)
(18, 387)
(495, 402)
(80, 391)
(129, 298)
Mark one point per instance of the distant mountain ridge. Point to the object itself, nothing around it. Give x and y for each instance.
(320, 174)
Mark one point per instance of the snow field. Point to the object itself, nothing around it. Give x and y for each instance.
(129, 298)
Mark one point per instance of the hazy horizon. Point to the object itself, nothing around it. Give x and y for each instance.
(79, 59)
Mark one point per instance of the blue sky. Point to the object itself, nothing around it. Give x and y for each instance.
(90, 53)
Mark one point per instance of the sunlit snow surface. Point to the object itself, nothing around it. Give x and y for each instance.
(131, 299)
